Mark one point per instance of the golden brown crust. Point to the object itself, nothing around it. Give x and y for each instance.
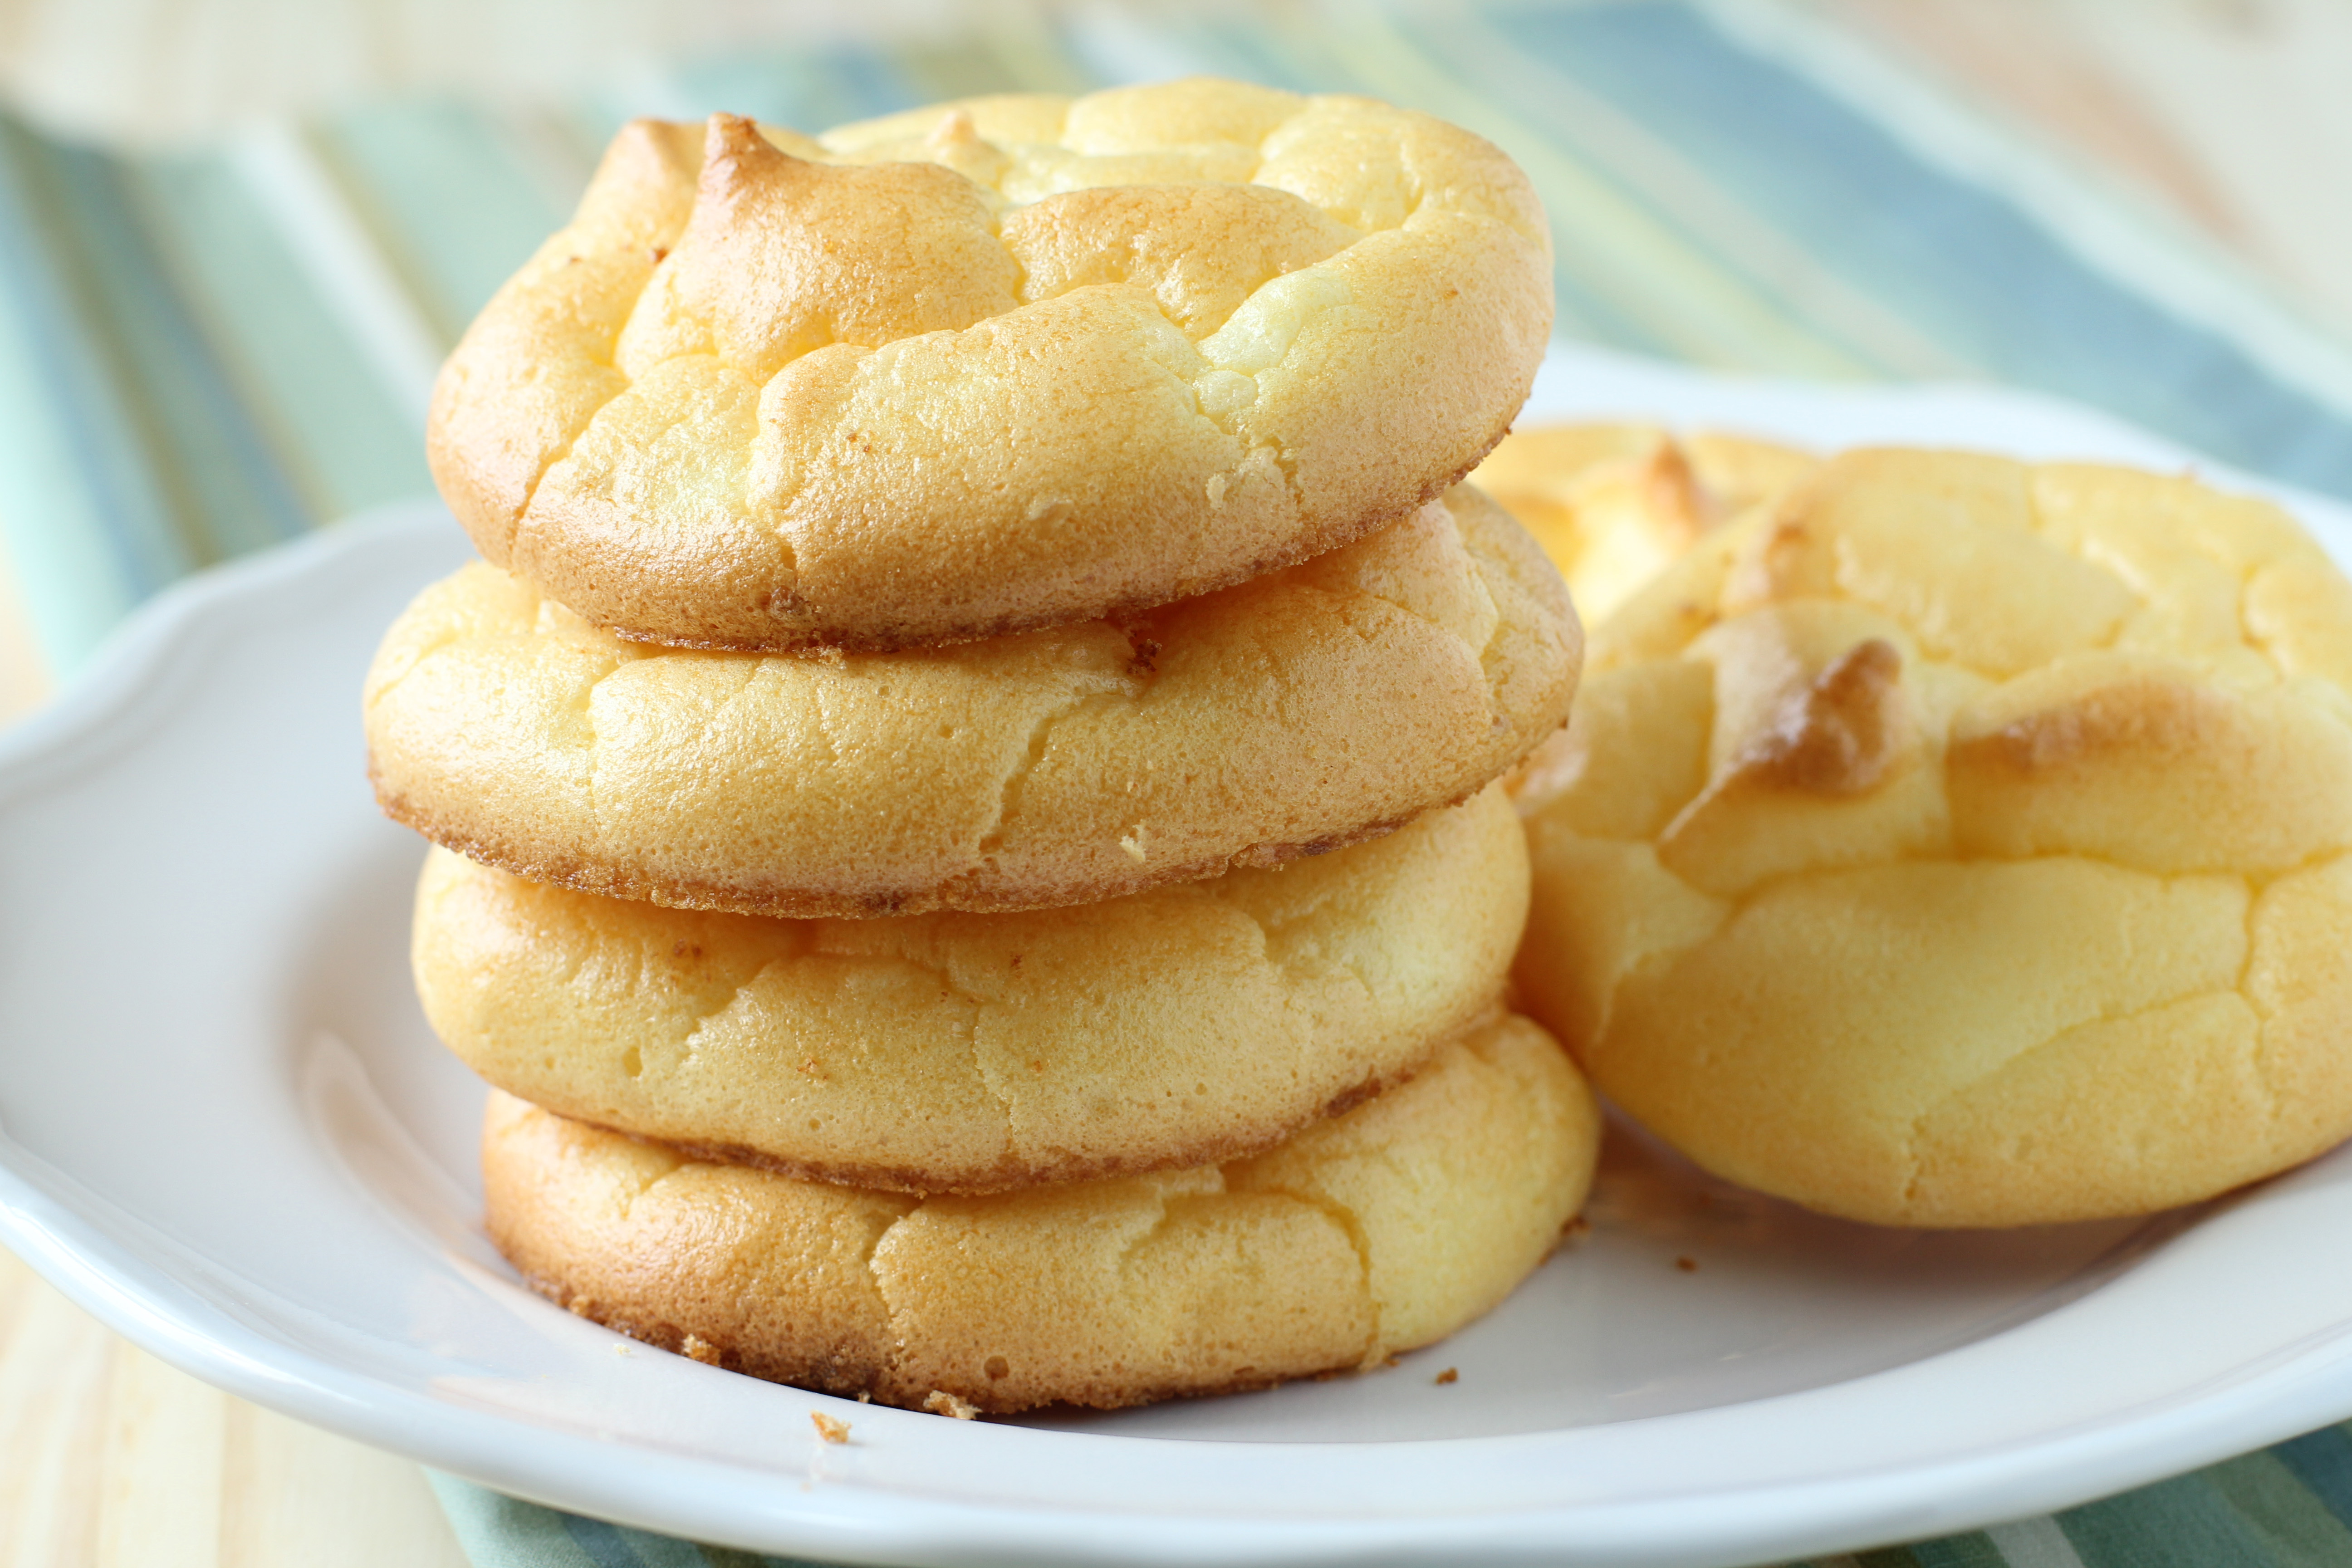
(992, 368)
(1299, 713)
(979, 1053)
(1958, 843)
(1368, 1234)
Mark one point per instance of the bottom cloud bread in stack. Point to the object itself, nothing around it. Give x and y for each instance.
(1371, 1232)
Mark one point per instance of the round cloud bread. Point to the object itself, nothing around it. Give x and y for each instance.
(956, 1052)
(1613, 504)
(994, 365)
(1959, 843)
(1370, 1232)
(1297, 712)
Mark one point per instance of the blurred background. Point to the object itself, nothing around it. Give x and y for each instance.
(236, 237)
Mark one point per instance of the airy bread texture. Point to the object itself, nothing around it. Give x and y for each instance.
(993, 365)
(1613, 505)
(1297, 713)
(1368, 1234)
(957, 1053)
(1960, 842)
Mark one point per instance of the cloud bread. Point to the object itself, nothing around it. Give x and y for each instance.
(1613, 504)
(1297, 712)
(993, 365)
(1961, 842)
(976, 1053)
(1368, 1234)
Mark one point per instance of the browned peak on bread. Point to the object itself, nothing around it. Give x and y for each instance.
(1841, 733)
(784, 255)
(1005, 363)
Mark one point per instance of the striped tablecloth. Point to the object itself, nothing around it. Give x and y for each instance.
(204, 353)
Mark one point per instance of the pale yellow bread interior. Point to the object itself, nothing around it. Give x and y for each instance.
(975, 1052)
(992, 366)
(1963, 843)
(1371, 1232)
(1313, 708)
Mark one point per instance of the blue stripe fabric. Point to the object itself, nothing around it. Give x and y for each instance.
(2322, 1461)
(81, 524)
(1946, 254)
(191, 368)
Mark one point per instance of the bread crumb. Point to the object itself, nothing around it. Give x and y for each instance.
(582, 1306)
(1449, 1375)
(1687, 1264)
(697, 1348)
(620, 1350)
(829, 1429)
(942, 1403)
(864, 1396)
(1133, 844)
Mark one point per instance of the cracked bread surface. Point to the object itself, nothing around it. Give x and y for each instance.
(1368, 1234)
(1964, 843)
(960, 1053)
(1313, 708)
(993, 365)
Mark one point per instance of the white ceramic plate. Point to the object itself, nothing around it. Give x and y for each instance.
(229, 1133)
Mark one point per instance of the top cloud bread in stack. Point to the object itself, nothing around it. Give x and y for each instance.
(1009, 363)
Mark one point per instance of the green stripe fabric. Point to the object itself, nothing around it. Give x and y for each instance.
(205, 352)
(2264, 1509)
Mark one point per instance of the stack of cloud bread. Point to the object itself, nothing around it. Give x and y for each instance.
(945, 580)
(1952, 841)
